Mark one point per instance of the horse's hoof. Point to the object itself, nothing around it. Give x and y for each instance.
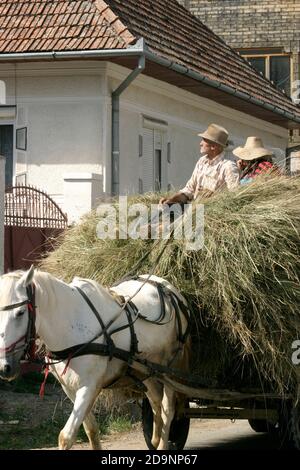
(155, 442)
(63, 443)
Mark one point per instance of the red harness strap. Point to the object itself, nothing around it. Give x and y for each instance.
(42, 389)
(67, 365)
(12, 346)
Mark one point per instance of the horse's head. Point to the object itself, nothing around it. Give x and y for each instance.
(15, 321)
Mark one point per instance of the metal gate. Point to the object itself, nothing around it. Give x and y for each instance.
(32, 222)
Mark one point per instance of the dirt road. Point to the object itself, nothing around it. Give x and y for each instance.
(28, 411)
(204, 434)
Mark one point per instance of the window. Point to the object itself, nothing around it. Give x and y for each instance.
(6, 149)
(275, 67)
(259, 63)
(153, 152)
(2, 92)
(280, 72)
(157, 170)
(152, 160)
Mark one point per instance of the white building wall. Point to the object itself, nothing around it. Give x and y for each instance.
(295, 163)
(63, 107)
(2, 189)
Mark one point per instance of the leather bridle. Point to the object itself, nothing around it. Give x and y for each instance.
(28, 340)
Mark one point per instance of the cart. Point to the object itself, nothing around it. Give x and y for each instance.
(265, 412)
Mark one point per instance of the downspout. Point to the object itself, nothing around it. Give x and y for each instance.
(115, 153)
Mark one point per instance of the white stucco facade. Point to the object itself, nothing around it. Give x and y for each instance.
(66, 108)
(2, 187)
(63, 108)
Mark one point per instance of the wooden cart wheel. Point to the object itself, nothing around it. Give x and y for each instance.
(178, 432)
(286, 431)
(295, 427)
(262, 425)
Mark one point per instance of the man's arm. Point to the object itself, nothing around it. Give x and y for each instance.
(186, 194)
(232, 176)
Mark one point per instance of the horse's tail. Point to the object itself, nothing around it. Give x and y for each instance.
(185, 362)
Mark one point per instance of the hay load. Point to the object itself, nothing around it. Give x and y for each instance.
(242, 286)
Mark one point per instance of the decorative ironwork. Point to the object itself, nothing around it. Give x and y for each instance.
(26, 206)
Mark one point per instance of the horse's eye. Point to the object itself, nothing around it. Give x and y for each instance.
(20, 313)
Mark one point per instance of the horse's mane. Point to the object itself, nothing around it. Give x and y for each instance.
(14, 274)
(98, 287)
(49, 283)
(37, 273)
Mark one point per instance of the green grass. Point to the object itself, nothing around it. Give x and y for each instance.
(28, 383)
(118, 424)
(46, 434)
(43, 436)
(27, 423)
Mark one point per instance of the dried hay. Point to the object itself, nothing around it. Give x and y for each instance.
(243, 286)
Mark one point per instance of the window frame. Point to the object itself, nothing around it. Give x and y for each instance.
(14, 156)
(161, 127)
(267, 55)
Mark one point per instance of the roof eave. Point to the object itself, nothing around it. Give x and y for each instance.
(220, 86)
(140, 49)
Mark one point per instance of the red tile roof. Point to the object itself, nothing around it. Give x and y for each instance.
(170, 31)
(47, 25)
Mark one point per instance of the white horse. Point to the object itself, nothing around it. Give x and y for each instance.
(64, 320)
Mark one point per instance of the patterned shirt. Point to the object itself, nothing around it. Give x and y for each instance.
(259, 169)
(212, 175)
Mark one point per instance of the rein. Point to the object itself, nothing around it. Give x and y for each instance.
(12, 348)
(12, 306)
(132, 272)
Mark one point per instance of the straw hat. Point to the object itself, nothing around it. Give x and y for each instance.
(253, 149)
(216, 134)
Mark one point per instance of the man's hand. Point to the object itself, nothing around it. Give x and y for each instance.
(241, 164)
(164, 200)
(177, 198)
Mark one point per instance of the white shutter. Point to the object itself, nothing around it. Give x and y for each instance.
(148, 160)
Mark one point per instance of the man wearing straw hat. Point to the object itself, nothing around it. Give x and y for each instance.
(254, 159)
(213, 171)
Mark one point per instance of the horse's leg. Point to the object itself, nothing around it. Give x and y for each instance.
(90, 424)
(167, 414)
(83, 403)
(92, 431)
(154, 394)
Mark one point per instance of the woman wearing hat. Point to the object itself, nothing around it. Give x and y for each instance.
(254, 159)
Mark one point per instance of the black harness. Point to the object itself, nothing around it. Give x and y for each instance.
(109, 349)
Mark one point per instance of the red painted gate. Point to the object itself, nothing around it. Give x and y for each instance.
(32, 222)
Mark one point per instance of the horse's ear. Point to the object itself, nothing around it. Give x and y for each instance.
(27, 277)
